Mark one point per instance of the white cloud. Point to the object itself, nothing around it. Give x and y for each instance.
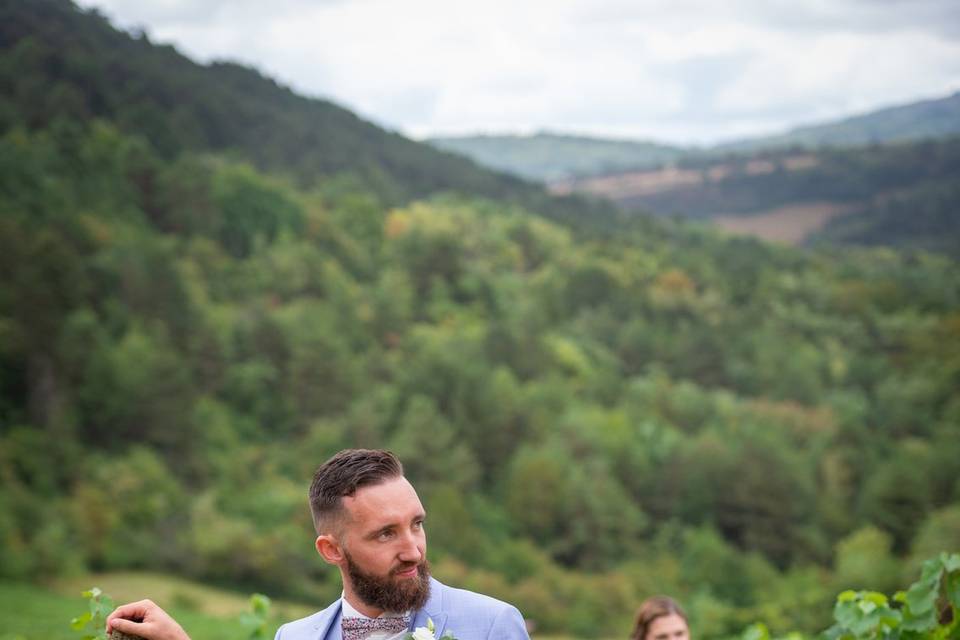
(689, 70)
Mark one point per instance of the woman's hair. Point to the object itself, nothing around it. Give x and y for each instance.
(650, 610)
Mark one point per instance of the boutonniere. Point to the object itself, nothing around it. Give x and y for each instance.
(427, 633)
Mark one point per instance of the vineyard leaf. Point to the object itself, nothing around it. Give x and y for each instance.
(845, 613)
(950, 562)
(847, 596)
(864, 626)
(891, 618)
(922, 596)
(932, 570)
(80, 621)
(923, 622)
(952, 584)
(756, 631)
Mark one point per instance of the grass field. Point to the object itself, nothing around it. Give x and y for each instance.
(789, 224)
(32, 612)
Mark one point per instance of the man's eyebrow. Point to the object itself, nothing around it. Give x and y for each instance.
(384, 529)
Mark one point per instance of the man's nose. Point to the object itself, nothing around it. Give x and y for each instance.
(410, 552)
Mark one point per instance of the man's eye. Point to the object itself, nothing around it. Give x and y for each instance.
(418, 525)
(386, 535)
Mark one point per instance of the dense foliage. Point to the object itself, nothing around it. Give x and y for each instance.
(928, 610)
(926, 216)
(588, 420)
(593, 409)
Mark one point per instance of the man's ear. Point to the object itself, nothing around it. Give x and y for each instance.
(329, 548)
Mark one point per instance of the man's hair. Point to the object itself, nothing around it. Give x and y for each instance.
(342, 475)
(650, 610)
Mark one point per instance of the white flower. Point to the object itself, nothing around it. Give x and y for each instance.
(427, 633)
(422, 633)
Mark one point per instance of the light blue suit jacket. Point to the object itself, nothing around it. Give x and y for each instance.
(467, 615)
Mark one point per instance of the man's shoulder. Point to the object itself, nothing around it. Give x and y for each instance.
(472, 615)
(457, 599)
(309, 626)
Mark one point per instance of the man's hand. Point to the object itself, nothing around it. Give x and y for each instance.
(147, 620)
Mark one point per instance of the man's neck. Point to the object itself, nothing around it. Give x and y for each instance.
(361, 606)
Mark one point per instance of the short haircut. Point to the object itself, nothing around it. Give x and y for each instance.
(650, 610)
(342, 475)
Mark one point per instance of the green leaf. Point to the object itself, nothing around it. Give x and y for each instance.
(104, 607)
(863, 626)
(922, 623)
(260, 603)
(846, 613)
(847, 596)
(952, 586)
(891, 618)
(921, 597)
(950, 562)
(876, 598)
(80, 621)
(756, 631)
(932, 569)
(866, 606)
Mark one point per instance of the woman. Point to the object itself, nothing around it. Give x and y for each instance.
(660, 618)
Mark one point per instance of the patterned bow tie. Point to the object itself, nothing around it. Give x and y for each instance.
(364, 628)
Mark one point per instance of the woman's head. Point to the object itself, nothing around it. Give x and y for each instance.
(660, 618)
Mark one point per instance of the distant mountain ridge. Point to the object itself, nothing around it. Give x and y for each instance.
(926, 119)
(552, 156)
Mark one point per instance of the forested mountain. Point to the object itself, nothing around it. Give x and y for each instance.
(59, 62)
(550, 156)
(188, 330)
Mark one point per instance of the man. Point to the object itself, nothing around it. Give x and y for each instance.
(370, 524)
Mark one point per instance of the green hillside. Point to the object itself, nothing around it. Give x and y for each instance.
(900, 195)
(736, 424)
(593, 410)
(547, 156)
(62, 63)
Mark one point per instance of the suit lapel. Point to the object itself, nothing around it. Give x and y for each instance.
(432, 610)
(328, 624)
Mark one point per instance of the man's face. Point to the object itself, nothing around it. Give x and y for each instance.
(385, 547)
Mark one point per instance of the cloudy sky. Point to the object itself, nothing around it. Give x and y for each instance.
(683, 71)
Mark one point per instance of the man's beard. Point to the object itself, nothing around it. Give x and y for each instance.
(389, 593)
